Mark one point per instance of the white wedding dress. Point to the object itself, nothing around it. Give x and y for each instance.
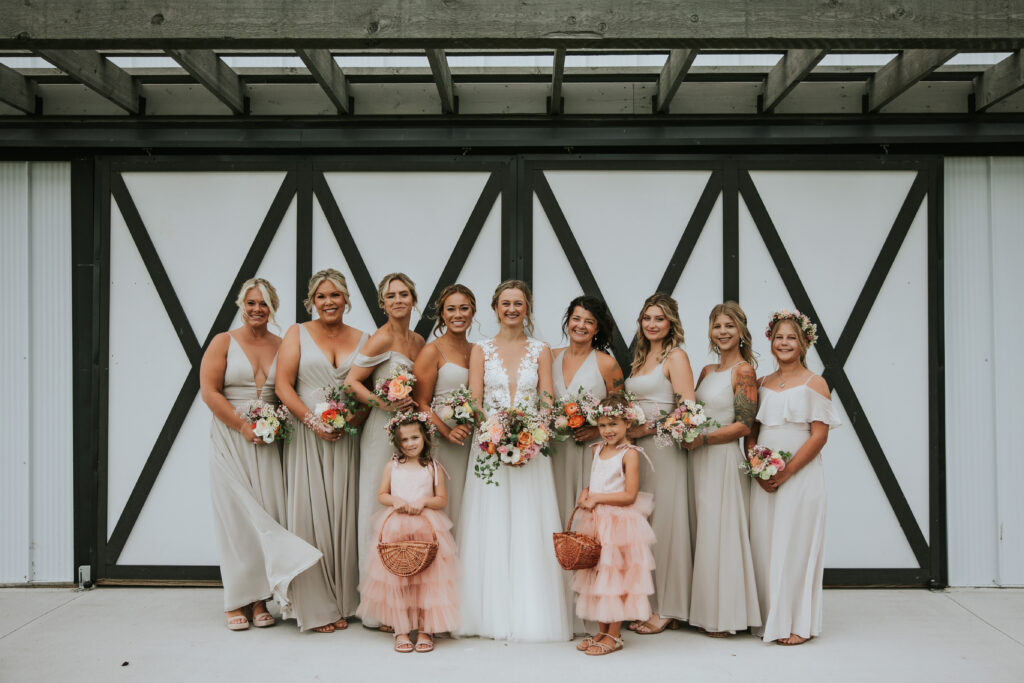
(512, 586)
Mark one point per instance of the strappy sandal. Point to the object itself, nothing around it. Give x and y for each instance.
(780, 641)
(404, 647)
(326, 628)
(645, 628)
(340, 624)
(424, 645)
(238, 622)
(605, 648)
(716, 634)
(262, 619)
(584, 644)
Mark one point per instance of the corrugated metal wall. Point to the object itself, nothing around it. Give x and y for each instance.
(984, 250)
(36, 501)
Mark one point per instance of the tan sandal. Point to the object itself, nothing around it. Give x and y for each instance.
(237, 622)
(585, 644)
(404, 646)
(262, 619)
(424, 645)
(326, 628)
(645, 628)
(340, 624)
(782, 641)
(604, 648)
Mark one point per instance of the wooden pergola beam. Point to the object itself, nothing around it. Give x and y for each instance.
(214, 75)
(672, 75)
(16, 90)
(787, 74)
(896, 77)
(329, 75)
(557, 74)
(999, 81)
(443, 79)
(97, 73)
(422, 24)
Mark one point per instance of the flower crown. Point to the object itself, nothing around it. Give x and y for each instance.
(631, 412)
(407, 418)
(807, 328)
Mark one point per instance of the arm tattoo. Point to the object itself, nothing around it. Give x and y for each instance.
(744, 401)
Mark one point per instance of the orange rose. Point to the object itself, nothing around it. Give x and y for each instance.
(572, 409)
(755, 462)
(576, 421)
(525, 440)
(491, 449)
(329, 415)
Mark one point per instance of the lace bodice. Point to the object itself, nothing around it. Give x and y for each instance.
(497, 394)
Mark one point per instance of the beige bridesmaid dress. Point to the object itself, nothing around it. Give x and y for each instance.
(322, 492)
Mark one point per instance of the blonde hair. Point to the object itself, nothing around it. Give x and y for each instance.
(673, 339)
(269, 296)
(527, 294)
(382, 288)
(450, 290)
(336, 278)
(801, 340)
(739, 318)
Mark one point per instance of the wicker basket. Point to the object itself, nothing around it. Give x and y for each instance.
(406, 558)
(575, 550)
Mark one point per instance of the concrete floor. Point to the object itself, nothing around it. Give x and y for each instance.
(177, 634)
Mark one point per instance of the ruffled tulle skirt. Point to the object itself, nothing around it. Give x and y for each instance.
(428, 601)
(620, 586)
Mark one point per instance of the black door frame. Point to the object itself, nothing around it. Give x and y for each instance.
(96, 178)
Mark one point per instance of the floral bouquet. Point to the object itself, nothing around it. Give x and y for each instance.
(512, 437)
(335, 411)
(764, 463)
(395, 386)
(269, 423)
(571, 412)
(684, 424)
(457, 408)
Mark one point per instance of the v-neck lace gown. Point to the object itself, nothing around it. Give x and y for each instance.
(512, 587)
(258, 556)
(323, 477)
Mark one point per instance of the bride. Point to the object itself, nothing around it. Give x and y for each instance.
(512, 587)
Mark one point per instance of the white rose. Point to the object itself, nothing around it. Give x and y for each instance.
(764, 475)
(698, 419)
(638, 413)
(319, 408)
(772, 470)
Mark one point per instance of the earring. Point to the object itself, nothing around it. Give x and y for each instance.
(742, 344)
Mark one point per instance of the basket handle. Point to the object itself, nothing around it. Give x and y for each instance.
(380, 535)
(568, 524)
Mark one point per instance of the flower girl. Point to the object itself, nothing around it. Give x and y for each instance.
(415, 496)
(618, 588)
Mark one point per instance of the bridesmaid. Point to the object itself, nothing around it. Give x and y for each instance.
(392, 346)
(258, 557)
(441, 367)
(322, 468)
(787, 512)
(660, 377)
(723, 599)
(585, 363)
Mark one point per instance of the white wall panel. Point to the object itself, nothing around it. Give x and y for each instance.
(1008, 363)
(36, 519)
(481, 273)
(15, 489)
(52, 550)
(982, 255)
(144, 379)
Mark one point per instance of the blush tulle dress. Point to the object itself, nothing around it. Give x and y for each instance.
(428, 601)
(620, 586)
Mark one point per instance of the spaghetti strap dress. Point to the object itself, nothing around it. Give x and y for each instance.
(452, 457)
(428, 601)
(375, 450)
(787, 528)
(259, 558)
(570, 461)
(322, 477)
(667, 481)
(724, 593)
